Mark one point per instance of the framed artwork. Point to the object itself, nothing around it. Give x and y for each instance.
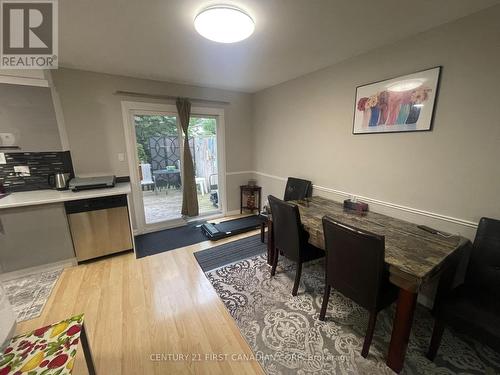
(402, 104)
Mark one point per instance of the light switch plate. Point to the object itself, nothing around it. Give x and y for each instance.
(7, 139)
(2, 158)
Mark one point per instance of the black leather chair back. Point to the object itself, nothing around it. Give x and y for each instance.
(484, 265)
(354, 261)
(297, 188)
(287, 227)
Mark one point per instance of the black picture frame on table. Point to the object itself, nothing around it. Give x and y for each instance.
(439, 70)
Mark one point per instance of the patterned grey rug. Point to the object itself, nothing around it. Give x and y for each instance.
(28, 294)
(287, 337)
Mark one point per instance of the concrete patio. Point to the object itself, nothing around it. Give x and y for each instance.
(166, 204)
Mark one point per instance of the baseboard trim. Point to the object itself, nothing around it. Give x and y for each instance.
(416, 211)
(239, 172)
(38, 269)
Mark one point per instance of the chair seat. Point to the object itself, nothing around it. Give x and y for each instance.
(311, 253)
(469, 310)
(50, 347)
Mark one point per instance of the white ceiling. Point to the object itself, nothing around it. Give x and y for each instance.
(156, 38)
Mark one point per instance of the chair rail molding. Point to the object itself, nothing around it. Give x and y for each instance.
(466, 228)
(239, 172)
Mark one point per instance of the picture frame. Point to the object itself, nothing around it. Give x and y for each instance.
(402, 104)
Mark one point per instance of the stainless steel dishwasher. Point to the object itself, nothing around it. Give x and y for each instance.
(99, 226)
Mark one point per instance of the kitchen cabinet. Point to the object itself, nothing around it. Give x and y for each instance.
(28, 119)
(33, 236)
(26, 77)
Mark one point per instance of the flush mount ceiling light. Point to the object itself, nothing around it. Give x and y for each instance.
(408, 84)
(224, 24)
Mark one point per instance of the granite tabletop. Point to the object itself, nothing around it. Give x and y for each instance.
(412, 254)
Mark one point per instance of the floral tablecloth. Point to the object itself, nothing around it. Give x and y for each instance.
(48, 350)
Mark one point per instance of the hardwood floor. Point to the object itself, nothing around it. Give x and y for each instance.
(139, 309)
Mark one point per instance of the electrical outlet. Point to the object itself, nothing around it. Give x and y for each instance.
(121, 156)
(2, 158)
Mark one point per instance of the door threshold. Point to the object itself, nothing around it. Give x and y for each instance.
(179, 222)
(208, 216)
(163, 225)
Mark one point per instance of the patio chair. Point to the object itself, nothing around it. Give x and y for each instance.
(202, 184)
(213, 181)
(148, 180)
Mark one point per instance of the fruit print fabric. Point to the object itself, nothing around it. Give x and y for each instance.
(48, 350)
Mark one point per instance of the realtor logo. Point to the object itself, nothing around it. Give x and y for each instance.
(29, 34)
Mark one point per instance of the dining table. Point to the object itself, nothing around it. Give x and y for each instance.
(413, 257)
(171, 176)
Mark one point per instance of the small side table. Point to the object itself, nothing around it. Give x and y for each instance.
(251, 190)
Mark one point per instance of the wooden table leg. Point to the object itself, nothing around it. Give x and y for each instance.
(270, 243)
(87, 353)
(401, 329)
(241, 201)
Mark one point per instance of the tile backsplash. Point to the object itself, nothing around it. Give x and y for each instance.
(40, 164)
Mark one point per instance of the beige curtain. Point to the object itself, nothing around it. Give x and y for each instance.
(189, 195)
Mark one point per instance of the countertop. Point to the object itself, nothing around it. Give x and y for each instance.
(36, 197)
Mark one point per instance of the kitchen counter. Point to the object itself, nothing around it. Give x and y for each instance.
(37, 197)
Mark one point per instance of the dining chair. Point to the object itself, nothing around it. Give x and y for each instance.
(295, 189)
(473, 307)
(355, 267)
(290, 237)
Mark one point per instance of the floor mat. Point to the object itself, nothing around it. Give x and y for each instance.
(169, 239)
(231, 252)
(28, 294)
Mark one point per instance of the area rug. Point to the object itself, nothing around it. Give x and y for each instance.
(287, 337)
(231, 252)
(28, 294)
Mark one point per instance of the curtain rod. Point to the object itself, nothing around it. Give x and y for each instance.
(168, 97)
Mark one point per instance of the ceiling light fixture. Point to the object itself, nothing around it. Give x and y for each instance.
(408, 84)
(224, 24)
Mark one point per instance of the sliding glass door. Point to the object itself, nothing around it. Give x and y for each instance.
(158, 146)
(203, 143)
(156, 140)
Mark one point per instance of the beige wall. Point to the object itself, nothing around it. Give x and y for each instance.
(304, 127)
(94, 123)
